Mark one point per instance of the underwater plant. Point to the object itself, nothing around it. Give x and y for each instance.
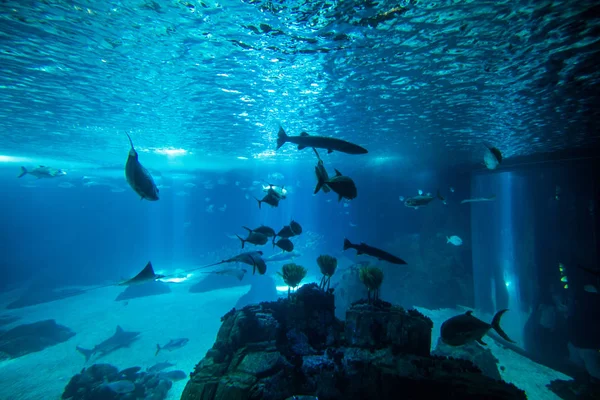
(292, 275)
(327, 264)
(372, 277)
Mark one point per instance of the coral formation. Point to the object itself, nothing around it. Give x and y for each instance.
(276, 350)
(327, 265)
(372, 277)
(292, 275)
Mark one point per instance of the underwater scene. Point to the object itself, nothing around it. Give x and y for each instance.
(298, 199)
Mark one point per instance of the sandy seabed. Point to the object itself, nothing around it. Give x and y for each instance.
(94, 316)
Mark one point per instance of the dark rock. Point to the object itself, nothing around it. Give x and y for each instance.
(272, 351)
(91, 384)
(7, 319)
(147, 289)
(30, 338)
(382, 325)
(473, 352)
(576, 389)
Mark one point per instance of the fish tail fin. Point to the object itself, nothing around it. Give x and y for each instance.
(130, 141)
(259, 202)
(447, 239)
(497, 328)
(248, 229)
(347, 244)
(320, 183)
(87, 353)
(439, 196)
(243, 241)
(157, 349)
(23, 172)
(274, 237)
(282, 138)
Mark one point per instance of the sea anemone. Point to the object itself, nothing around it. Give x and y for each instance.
(292, 275)
(372, 278)
(327, 264)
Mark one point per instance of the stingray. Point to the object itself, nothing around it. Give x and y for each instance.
(146, 275)
(138, 177)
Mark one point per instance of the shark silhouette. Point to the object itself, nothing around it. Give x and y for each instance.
(118, 340)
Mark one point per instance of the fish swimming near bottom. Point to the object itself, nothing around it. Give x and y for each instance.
(364, 248)
(175, 375)
(159, 367)
(479, 199)
(466, 328)
(118, 340)
(120, 387)
(173, 344)
(42, 171)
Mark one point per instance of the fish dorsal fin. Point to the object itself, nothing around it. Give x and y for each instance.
(329, 151)
(132, 152)
(304, 134)
(470, 312)
(119, 330)
(145, 275)
(496, 154)
(337, 173)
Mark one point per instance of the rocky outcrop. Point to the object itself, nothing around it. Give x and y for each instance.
(30, 338)
(275, 350)
(481, 357)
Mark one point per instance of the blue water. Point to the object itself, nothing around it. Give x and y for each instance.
(203, 87)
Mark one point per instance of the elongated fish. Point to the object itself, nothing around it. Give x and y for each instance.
(320, 142)
(364, 248)
(138, 177)
(479, 199)
(253, 258)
